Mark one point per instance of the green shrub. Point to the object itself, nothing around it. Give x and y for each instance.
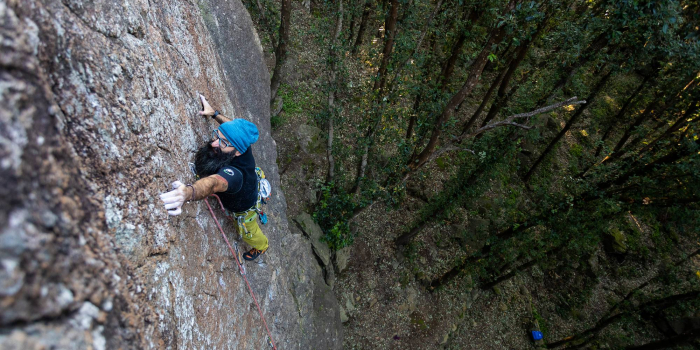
(332, 213)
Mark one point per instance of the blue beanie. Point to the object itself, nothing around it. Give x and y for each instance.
(241, 133)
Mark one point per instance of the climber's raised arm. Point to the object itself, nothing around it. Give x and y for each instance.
(223, 178)
(207, 111)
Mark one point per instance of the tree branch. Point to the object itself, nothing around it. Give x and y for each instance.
(509, 120)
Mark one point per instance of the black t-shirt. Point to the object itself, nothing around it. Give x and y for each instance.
(242, 191)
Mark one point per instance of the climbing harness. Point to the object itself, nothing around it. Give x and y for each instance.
(240, 267)
(264, 194)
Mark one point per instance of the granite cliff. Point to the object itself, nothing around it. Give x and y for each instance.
(98, 114)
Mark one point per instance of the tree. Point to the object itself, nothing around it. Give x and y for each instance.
(281, 48)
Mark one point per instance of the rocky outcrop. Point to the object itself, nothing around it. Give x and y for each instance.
(97, 116)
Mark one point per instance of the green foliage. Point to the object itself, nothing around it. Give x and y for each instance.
(332, 213)
(576, 150)
(295, 102)
(276, 121)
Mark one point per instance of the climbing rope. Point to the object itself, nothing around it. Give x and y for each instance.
(240, 267)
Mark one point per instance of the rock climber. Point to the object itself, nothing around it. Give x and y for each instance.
(226, 167)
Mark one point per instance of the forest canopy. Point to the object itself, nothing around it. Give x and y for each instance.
(546, 131)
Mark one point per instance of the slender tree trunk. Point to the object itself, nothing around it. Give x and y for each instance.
(499, 102)
(390, 31)
(652, 110)
(281, 49)
(353, 18)
(500, 279)
(589, 332)
(362, 165)
(363, 25)
(475, 116)
(472, 78)
(596, 45)
(680, 123)
(616, 307)
(378, 33)
(568, 125)
(484, 102)
(263, 20)
(611, 125)
(333, 54)
(671, 157)
(449, 66)
(406, 237)
(425, 30)
(620, 114)
(390, 35)
(414, 115)
(628, 132)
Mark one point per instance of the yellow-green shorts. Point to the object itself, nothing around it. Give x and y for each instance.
(254, 237)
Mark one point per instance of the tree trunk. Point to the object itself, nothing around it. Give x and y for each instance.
(449, 66)
(351, 25)
(333, 54)
(379, 84)
(406, 237)
(362, 164)
(475, 116)
(620, 114)
(389, 36)
(618, 152)
(484, 102)
(673, 156)
(363, 26)
(472, 78)
(412, 121)
(568, 125)
(628, 132)
(500, 100)
(265, 25)
(680, 123)
(281, 49)
(418, 43)
(500, 279)
(596, 45)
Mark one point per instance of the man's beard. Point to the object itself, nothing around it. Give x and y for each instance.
(210, 160)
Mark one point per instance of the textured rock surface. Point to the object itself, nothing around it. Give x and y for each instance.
(98, 104)
(314, 232)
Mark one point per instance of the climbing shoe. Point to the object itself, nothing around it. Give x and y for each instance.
(253, 254)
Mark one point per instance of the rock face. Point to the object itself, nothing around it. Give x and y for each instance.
(98, 115)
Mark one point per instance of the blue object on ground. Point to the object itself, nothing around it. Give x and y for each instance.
(536, 335)
(263, 218)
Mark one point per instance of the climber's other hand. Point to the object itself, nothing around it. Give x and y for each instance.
(206, 111)
(174, 199)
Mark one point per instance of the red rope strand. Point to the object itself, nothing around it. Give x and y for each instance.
(240, 268)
